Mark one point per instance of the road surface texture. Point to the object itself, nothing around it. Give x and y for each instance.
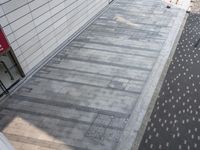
(175, 121)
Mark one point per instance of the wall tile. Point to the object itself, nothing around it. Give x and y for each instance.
(36, 28)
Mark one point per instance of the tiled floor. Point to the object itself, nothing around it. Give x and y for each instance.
(175, 121)
(83, 98)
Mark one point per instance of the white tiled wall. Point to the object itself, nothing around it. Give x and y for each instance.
(37, 27)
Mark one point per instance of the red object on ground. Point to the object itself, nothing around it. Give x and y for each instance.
(4, 45)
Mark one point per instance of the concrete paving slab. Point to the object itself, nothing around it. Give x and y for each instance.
(94, 94)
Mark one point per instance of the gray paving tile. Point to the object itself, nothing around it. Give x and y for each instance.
(82, 99)
(103, 119)
(96, 132)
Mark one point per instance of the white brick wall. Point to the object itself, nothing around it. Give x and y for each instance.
(37, 27)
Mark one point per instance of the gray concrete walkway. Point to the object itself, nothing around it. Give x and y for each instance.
(174, 123)
(84, 97)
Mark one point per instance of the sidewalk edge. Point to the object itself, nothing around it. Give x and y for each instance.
(128, 139)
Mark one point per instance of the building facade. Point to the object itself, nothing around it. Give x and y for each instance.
(35, 28)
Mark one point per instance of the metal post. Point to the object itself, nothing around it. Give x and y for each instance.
(2, 86)
(7, 70)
